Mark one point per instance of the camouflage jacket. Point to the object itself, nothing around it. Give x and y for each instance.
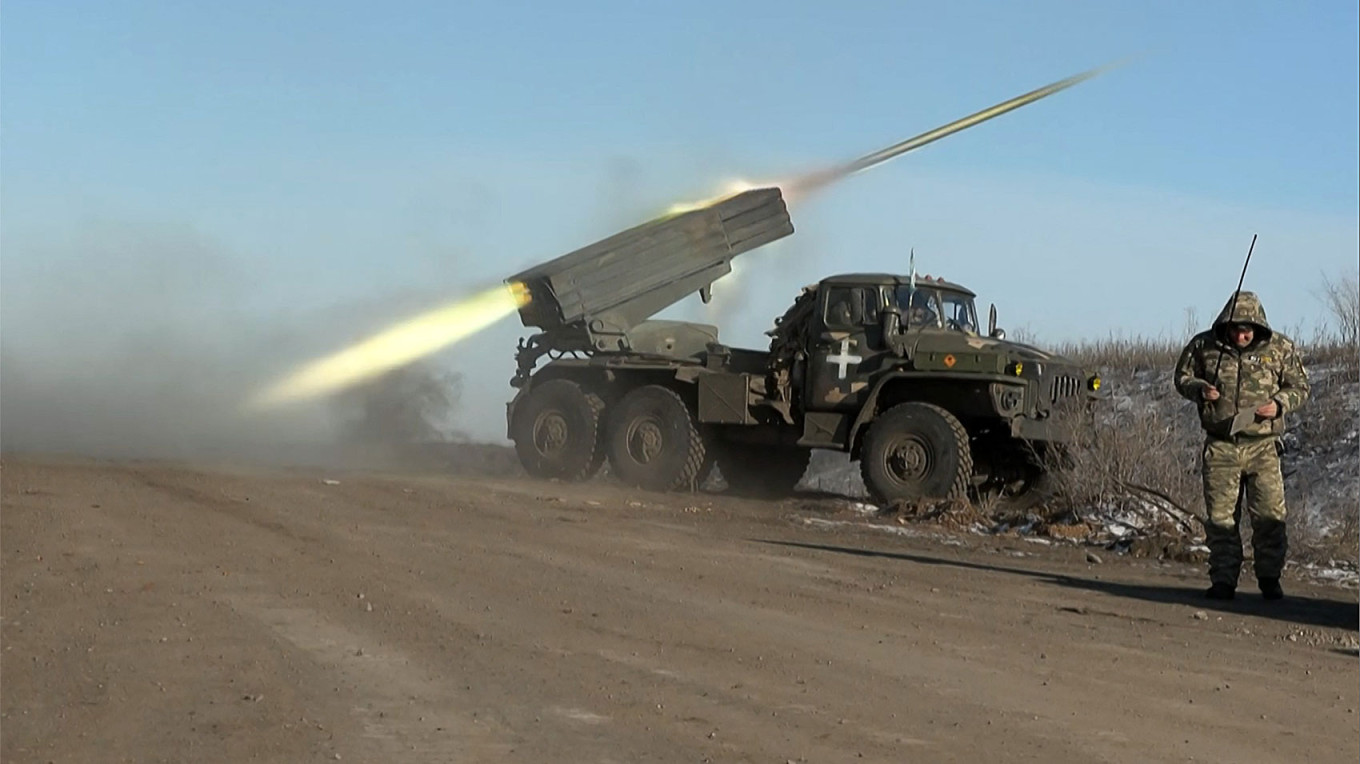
(1267, 369)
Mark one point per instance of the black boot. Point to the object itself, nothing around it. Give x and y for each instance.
(1270, 588)
(1221, 592)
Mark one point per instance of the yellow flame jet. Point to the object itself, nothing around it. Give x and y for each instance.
(397, 346)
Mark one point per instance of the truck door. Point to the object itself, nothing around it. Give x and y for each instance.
(847, 347)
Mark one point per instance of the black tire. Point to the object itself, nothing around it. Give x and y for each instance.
(557, 431)
(1017, 476)
(653, 441)
(762, 471)
(916, 451)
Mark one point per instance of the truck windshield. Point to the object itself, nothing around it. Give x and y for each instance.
(926, 307)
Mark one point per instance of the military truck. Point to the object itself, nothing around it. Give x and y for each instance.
(891, 369)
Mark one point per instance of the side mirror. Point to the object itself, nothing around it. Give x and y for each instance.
(890, 321)
(992, 331)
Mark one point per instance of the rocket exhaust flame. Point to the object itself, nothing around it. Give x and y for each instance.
(397, 346)
(730, 189)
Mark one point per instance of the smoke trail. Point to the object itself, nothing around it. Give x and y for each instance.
(814, 181)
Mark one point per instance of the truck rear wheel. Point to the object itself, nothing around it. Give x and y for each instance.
(916, 451)
(557, 431)
(653, 441)
(1024, 494)
(762, 471)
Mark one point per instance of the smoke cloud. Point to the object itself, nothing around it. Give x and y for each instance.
(123, 340)
(417, 403)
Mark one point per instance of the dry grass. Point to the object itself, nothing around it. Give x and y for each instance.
(1130, 354)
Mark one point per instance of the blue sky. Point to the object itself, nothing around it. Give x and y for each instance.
(260, 164)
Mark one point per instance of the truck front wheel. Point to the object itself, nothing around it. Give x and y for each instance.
(653, 441)
(916, 451)
(557, 431)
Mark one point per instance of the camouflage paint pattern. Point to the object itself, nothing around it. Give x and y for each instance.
(1251, 465)
(1268, 369)
(1243, 465)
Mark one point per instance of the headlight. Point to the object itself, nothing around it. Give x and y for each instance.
(1008, 398)
(1093, 384)
(1017, 368)
(1011, 399)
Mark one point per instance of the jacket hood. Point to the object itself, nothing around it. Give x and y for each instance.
(1246, 310)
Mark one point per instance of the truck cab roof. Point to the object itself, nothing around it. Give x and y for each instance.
(892, 279)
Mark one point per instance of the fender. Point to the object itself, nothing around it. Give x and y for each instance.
(869, 410)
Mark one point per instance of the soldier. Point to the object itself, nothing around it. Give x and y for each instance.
(840, 314)
(921, 312)
(1245, 378)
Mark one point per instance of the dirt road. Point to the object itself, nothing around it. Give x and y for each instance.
(162, 613)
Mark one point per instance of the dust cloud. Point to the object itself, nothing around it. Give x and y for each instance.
(126, 341)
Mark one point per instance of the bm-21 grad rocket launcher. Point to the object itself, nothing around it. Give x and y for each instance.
(892, 369)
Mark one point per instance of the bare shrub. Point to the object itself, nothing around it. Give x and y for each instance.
(1326, 535)
(1339, 543)
(1192, 325)
(1342, 299)
(1329, 417)
(1137, 453)
(1332, 357)
(1023, 335)
(1128, 459)
(1335, 350)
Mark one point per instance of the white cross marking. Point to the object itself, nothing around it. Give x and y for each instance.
(844, 359)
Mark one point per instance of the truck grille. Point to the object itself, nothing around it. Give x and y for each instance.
(1063, 386)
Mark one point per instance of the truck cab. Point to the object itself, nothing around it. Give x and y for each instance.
(872, 329)
(864, 321)
(908, 354)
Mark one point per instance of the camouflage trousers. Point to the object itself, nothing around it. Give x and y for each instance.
(1249, 470)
